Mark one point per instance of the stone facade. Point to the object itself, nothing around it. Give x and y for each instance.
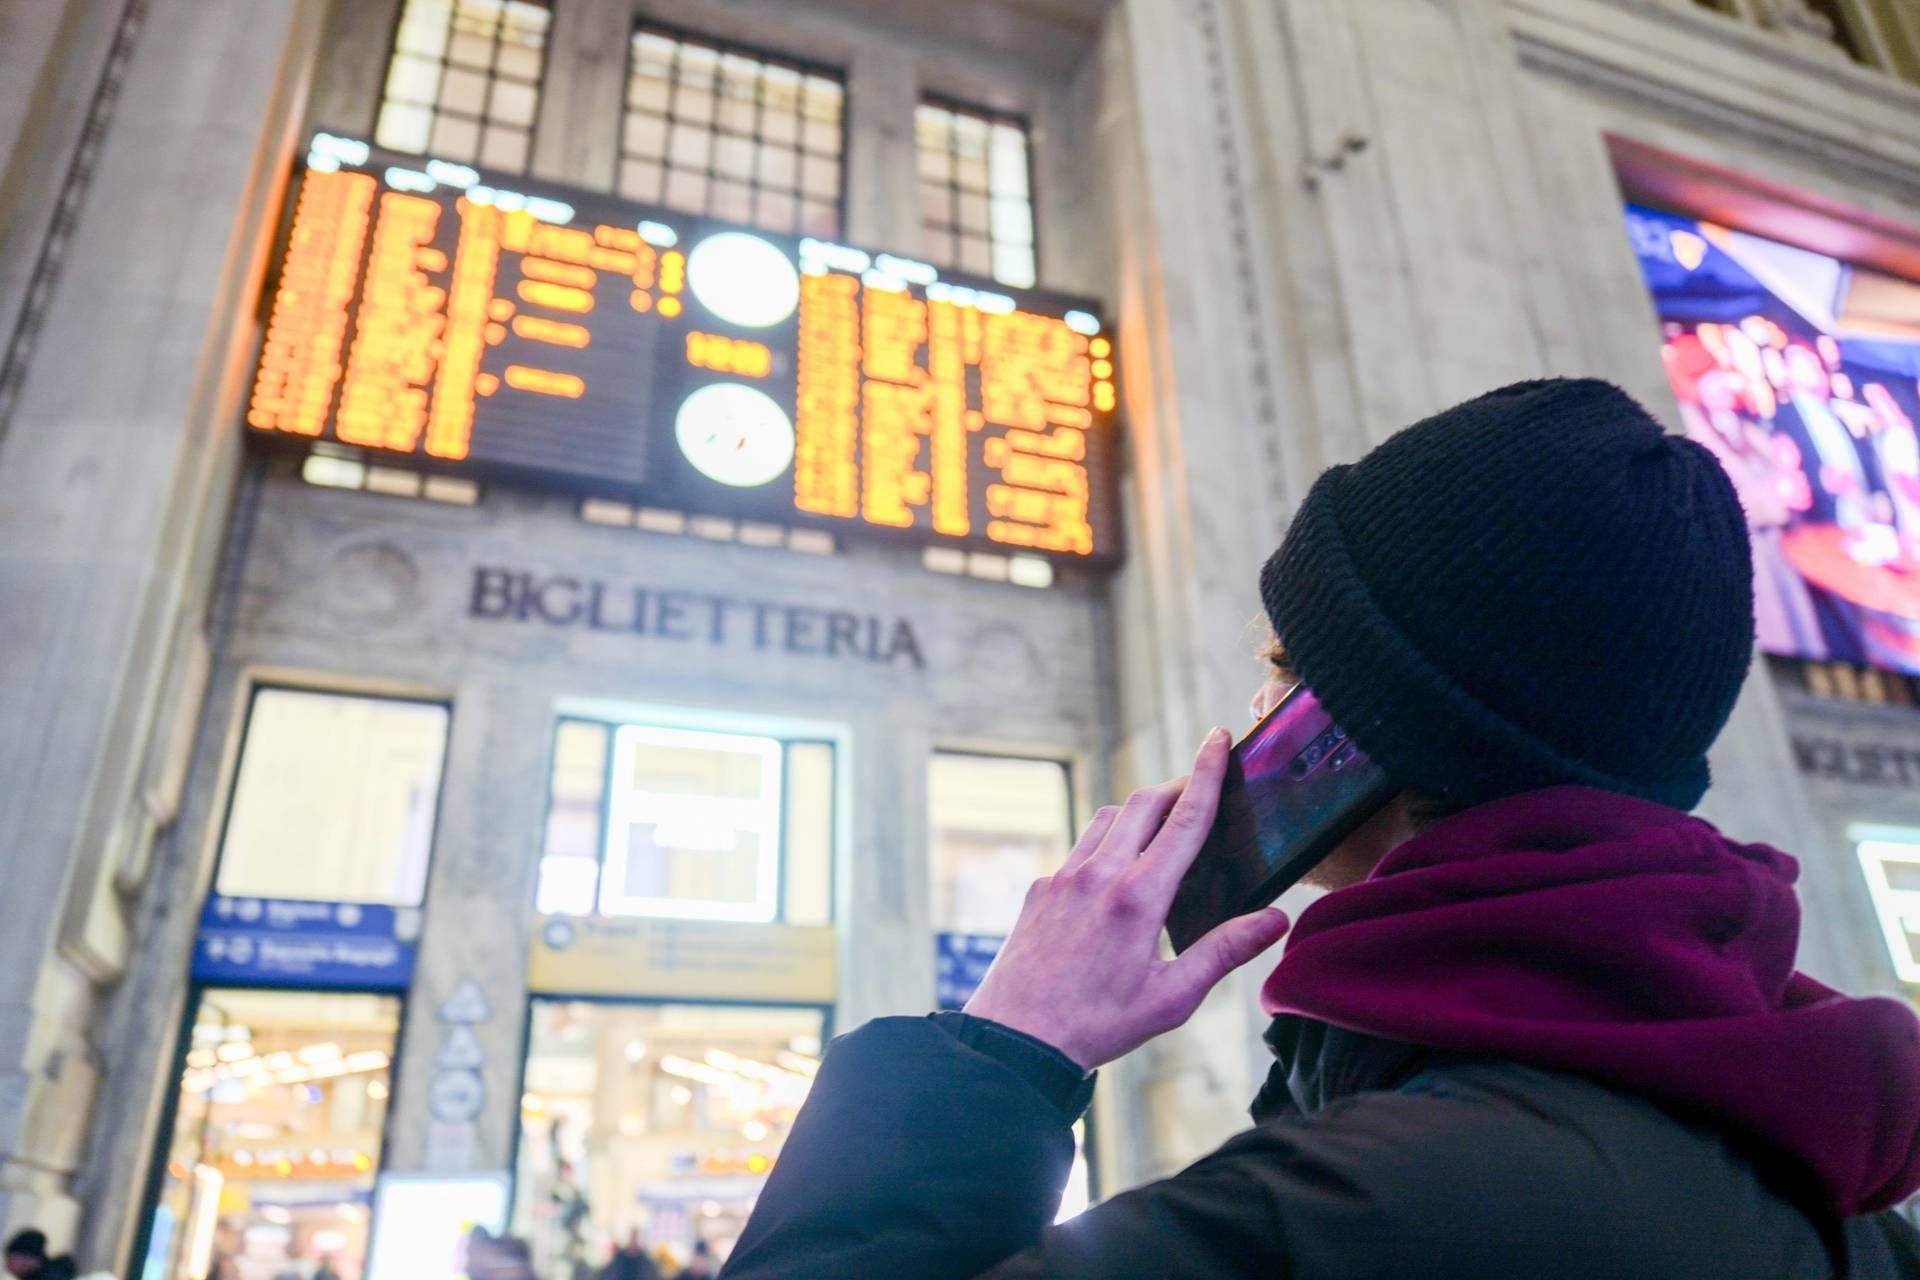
(1313, 221)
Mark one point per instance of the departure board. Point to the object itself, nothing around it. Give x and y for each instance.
(500, 327)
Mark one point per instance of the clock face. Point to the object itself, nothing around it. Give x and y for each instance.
(743, 279)
(734, 434)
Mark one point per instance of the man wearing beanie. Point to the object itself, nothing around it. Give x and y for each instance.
(1545, 1025)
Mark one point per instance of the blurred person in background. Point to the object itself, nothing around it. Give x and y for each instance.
(1545, 1024)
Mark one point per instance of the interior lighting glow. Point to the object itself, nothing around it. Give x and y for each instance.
(409, 180)
(1082, 322)
(909, 269)
(658, 234)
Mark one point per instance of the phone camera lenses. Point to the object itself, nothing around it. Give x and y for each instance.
(1343, 757)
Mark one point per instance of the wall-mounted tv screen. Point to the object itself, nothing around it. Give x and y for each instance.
(1802, 374)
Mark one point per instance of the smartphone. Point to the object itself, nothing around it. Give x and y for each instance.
(1296, 786)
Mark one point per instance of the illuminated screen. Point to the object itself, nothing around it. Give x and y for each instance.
(1799, 373)
(494, 325)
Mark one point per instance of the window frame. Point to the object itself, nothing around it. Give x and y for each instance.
(240, 728)
(493, 75)
(1883, 898)
(718, 723)
(765, 55)
(990, 116)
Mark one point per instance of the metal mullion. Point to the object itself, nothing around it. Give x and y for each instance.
(755, 189)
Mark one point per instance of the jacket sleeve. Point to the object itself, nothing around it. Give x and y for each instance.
(916, 1155)
(919, 1155)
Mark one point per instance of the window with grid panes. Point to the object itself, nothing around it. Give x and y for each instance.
(976, 205)
(714, 128)
(464, 83)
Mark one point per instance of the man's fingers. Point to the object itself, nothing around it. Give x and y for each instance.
(1223, 949)
(1178, 841)
(1090, 838)
(1134, 826)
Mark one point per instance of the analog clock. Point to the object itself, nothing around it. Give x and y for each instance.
(743, 279)
(734, 434)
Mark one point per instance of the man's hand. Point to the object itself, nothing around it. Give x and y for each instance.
(1082, 970)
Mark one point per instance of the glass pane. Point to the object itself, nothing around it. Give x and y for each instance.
(690, 146)
(820, 99)
(652, 54)
(738, 114)
(821, 137)
(732, 201)
(693, 825)
(273, 1143)
(334, 799)
(1012, 221)
(463, 91)
(423, 30)
(653, 1125)
(969, 135)
(1008, 168)
(733, 156)
(779, 125)
(513, 103)
(936, 205)
(1013, 264)
(818, 218)
(403, 127)
(932, 127)
(470, 50)
(975, 256)
(777, 167)
(808, 890)
(696, 64)
(413, 79)
(936, 245)
(774, 210)
(820, 176)
(644, 135)
(649, 92)
(995, 826)
(639, 180)
(780, 88)
(519, 62)
(973, 213)
(971, 173)
(456, 139)
(935, 166)
(691, 103)
(504, 147)
(577, 787)
(687, 190)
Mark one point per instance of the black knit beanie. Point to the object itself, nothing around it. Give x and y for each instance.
(1536, 587)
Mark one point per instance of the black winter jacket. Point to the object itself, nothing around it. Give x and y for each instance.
(936, 1148)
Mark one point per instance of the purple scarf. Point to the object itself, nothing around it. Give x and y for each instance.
(1593, 933)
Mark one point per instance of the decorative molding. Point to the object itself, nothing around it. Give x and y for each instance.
(1240, 228)
(47, 266)
(1708, 71)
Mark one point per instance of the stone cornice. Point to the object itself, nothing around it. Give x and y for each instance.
(1709, 71)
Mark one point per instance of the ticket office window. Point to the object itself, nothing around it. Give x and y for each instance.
(275, 1138)
(688, 823)
(464, 80)
(334, 799)
(653, 1121)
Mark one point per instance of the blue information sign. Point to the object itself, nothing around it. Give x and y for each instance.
(960, 963)
(305, 944)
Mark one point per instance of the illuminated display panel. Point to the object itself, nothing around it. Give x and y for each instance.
(497, 326)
